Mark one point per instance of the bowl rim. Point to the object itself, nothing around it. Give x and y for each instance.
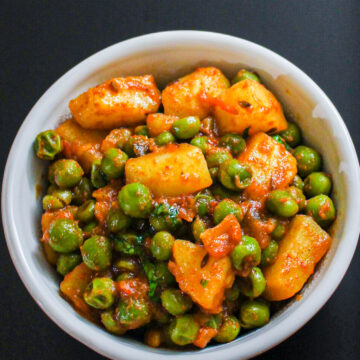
(281, 331)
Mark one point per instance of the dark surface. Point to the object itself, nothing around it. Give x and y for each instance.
(40, 40)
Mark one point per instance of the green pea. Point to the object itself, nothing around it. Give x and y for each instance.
(279, 231)
(154, 337)
(281, 203)
(62, 194)
(247, 252)
(203, 202)
(47, 145)
(244, 75)
(123, 136)
(65, 173)
(254, 313)
(176, 302)
(292, 135)
(110, 324)
(167, 338)
(221, 193)
(86, 211)
(82, 191)
(317, 183)
(215, 321)
(161, 245)
(215, 159)
(52, 188)
(113, 163)
(116, 220)
(254, 285)
(235, 175)
(135, 200)
(183, 330)
(66, 263)
(298, 196)
(97, 177)
(50, 202)
(233, 142)
(201, 142)
(229, 330)
(268, 255)
(186, 128)
(127, 264)
(100, 293)
(96, 252)
(165, 217)
(141, 130)
(137, 145)
(233, 293)
(125, 276)
(198, 226)
(322, 209)
(280, 140)
(163, 274)
(90, 227)
(164, 138)
(159, 314)
(129, 244)
(297, 182)
(65, 235)
(308, 160)
(208, 320)
(133, 312)
(227, 207)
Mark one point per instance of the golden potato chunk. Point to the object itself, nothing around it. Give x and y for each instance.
(248, 104)
(304, 244)
(117, 102)
(80, 144)
(221, 240)
(74, 285)
(158, 123)
(272, 165)
(194, 94)
(50, 254)
(204, 284)
(173, 170)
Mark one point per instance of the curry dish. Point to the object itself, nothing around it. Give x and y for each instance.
(184, 216)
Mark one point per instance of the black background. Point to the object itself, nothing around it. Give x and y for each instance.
(40, 40)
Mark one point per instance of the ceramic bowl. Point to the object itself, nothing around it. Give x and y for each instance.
(168, 55)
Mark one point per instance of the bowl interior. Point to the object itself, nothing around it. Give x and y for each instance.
(168, 58)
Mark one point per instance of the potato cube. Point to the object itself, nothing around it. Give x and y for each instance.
(303, 246)
(158, 123)
(248, 104)
(173, 170)
(272, 165)
(80, 144)
(221, 240)
(74, 285)
(193, 93)
(117, 102)
(204, 284)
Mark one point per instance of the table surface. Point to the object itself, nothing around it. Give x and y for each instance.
(40, 40)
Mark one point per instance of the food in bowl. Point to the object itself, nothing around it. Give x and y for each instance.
(190, 212)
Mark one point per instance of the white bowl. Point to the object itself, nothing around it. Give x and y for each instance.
(168, 55)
